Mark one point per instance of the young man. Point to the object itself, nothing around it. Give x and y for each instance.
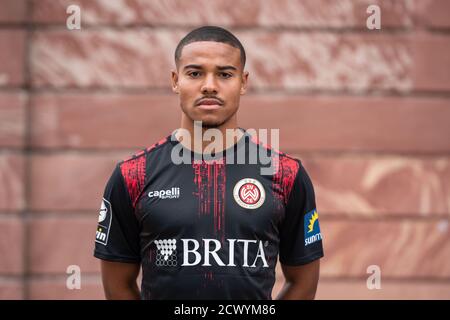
(211, 227)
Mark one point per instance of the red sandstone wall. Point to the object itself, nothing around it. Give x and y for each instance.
(367, 111)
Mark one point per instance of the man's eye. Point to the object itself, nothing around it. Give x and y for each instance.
(225, 75)
(194, 74)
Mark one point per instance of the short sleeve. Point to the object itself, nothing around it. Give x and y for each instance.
(117, 234)
(300, 236)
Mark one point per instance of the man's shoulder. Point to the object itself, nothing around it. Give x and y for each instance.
(133, 169)
(140, 155)
(283, 160)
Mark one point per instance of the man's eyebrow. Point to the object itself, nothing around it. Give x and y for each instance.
(221, 68)
(193, 66)
(197, 66)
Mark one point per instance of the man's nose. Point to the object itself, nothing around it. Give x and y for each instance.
(209, 85)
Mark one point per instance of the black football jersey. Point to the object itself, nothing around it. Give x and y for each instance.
(208, 228)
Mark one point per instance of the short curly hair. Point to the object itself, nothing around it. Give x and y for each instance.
(210, 33)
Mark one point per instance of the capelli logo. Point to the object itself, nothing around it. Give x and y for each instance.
(173, 193)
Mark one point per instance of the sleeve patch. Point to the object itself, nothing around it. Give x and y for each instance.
(104, 222)
(312, 228)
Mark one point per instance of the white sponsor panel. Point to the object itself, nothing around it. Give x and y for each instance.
(206, 253)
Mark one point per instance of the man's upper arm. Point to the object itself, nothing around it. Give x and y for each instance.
(119, 279)
(302, 273)
(124, 272)
(301, 280)
(300, 235)
(117, 234)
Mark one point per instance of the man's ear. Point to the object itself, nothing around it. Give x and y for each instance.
(244, 82)
(175, 82)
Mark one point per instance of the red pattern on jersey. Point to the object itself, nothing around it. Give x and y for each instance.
(133, 172)
(283, 180)
(285, 169)
(210, 179)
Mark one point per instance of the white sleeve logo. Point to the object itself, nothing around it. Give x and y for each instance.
(104, 223)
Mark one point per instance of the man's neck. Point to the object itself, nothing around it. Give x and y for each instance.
(223, 136)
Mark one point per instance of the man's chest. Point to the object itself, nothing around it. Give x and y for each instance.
(215, 200)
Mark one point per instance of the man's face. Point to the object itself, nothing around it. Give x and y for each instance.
(209, 80)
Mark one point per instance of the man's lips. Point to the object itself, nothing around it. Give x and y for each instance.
(209, 104)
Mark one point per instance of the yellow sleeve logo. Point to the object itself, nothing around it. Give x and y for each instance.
(311, 227)
(313, 219)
